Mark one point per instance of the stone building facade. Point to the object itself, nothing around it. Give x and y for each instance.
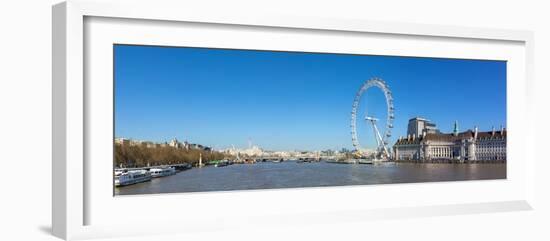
(468, 146)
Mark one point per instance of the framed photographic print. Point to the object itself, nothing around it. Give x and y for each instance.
(296, 119)
(230, 120)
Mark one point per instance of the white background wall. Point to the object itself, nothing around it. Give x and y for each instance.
(25, 120)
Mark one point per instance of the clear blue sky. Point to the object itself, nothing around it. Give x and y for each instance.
(293, 101)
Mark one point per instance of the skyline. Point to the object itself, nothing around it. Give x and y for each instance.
(292, 100)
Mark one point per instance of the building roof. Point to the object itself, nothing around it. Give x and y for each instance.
(489, 135)
(449, 137)
(419, 118)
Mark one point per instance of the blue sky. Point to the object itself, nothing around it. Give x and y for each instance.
(293, 101)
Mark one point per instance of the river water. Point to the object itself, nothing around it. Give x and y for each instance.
(291, 174)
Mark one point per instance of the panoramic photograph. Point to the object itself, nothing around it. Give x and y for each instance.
(189, 119)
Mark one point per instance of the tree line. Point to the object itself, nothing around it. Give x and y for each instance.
(141, 156)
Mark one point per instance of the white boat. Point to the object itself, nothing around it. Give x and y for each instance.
(222, 163)
(118, 172)
(366, 161)
(162, 172)
(131, 177)
(350, 161)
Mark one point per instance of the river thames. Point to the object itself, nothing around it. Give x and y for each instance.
(291, 174)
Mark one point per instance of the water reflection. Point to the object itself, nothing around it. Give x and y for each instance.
(291, 174)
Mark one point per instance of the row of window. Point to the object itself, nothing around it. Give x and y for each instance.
(491, 157)
(491, 150)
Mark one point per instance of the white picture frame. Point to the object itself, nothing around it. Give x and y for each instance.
(75, 198)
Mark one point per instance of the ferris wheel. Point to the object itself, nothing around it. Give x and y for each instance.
(381, 139)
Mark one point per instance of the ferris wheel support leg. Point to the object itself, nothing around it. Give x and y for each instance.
(376, 134)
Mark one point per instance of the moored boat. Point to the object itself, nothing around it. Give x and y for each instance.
(131, 177)
(162, 171)
(222, 163)
(366, 161)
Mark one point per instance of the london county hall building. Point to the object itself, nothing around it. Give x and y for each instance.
(425, 143)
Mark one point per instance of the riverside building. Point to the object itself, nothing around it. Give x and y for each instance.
(173, 143)
(428, 145)
(418, 125)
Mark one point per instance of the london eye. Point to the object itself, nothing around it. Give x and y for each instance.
(381, 136)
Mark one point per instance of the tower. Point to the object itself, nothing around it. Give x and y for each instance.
(455, 129)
